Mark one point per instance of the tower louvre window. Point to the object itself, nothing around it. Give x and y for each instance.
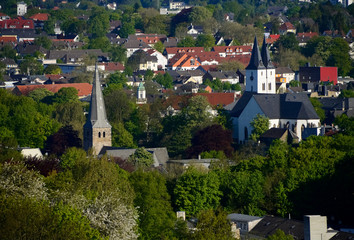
(99, 134)
(104, 134)
(263, 86)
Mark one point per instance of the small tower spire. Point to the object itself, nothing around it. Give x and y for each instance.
(265, 55)
(97, 130)
(256, 58)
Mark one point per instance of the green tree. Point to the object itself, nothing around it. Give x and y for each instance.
(98, 23)
(199, 14)
(346, 93)
(126, 29)
(213, 225)
(195, 191)
(121, 137)
(153, 201)
(188, 41)
(73, 26)
(141, 158)
(165, 80)
(39, 94)
(118, 54)
(339, 57)
(102, 43)
(205, 40)
(52, 69)
(294, 83)
(260, 124)
(43, 42)
(159, 46)
(66, 95)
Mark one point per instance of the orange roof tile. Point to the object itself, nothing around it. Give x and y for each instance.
(40, 17)
(84, 89)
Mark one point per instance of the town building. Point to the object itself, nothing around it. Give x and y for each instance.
(292, 111)
(308, 74)
(21, 8)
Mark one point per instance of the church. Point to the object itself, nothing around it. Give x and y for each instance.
(292, 111)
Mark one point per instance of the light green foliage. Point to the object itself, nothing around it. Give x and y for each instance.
(68, 159)
(121, 137)
(340, 56)
(280, 235)
(291, 58)
(52, 69)
(231, 66)
(218, 86)
(195, 191)
(159, 47)
(118, 106)
(318, 108)
(141, 158)
(260, 124)
(213, 225)
(213, 154)
(197, 112)
(153, 201)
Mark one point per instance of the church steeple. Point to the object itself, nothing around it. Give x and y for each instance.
(97, 130)
(256, 58)
(265, 55)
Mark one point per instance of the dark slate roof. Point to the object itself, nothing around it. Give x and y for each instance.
(97, 115)
(279, 106)
(274, 133)
(265, 55)
(241, 104)
(256, 59)
(331, 103)
(343, 236)
(282, 70)
(269, 224)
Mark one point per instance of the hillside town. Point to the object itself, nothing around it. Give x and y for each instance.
(177, 120)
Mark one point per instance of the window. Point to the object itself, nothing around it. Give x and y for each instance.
(270, 86)
(104, 134)
(263, 86)
(261, 73)
(99, 134)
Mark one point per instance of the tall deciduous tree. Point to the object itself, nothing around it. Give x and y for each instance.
(196, 191)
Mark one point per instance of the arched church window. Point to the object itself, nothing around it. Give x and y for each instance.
(261, 73)
(104, 134)
(251, 88)
(302, 127)
(99, 134)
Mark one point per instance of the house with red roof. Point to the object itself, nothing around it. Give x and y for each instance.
(224, 51)
(151, 39)
(287, 27)
(170, 52)
(272, 38)
(4, 16)
(84, 89)
(8, 40)
(304, 37)
(183, 61)
(40, 17)
(17, 23)
(161, 59)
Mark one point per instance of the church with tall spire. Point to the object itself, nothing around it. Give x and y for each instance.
(260, 72)
(289, 112)
(97, 130)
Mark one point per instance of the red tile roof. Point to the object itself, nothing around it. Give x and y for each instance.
(17, 23)
(54, 76)
(174, 50)
(272, 38)
(232, 49)
(40, 17)
(8, 39)
(84, 89)
(307, 34)
(287, 26)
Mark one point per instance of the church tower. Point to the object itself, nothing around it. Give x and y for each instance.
(97, 130)
(260, 72)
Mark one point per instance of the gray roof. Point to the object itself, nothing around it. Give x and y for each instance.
(256, 58)
(160, 154)
(279, 106)
(269, 224)
(97, 115)
(242, 217)
(282, 70)
(343, 236)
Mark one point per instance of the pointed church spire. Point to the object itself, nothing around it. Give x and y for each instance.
(265, 55)
(256, 59)
(97, 130)
(97, 115)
